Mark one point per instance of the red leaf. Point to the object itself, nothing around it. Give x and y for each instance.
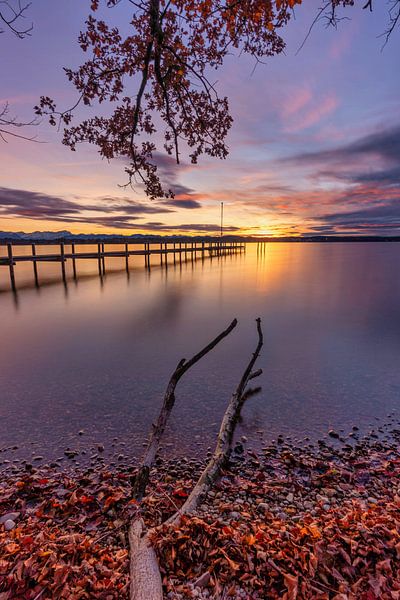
(180, 493)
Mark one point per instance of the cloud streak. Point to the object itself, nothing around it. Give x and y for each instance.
(383, 144)
(305, 117)
(109, 211)
(374, 218)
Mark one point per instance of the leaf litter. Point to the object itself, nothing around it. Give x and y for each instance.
(288, 522)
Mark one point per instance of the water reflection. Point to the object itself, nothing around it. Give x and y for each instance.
(98, 359)
(68, 261)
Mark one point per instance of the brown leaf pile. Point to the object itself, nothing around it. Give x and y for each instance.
(68, 541)
(293, 524)
(70, 537)
(347, 551)
(343, 556)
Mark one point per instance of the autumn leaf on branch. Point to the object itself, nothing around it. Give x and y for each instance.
(155, 85)
(158, 81)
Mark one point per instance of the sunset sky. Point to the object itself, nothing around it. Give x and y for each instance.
(315, 145)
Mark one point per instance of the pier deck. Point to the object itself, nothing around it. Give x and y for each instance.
(67, 252)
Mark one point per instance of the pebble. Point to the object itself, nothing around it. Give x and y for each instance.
(9, 525)
(333, 434)
(322, 499)
(70, 453)
(11, 516)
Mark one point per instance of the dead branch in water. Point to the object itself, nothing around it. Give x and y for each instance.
(184, 365)
(225, 435)
(144, 569)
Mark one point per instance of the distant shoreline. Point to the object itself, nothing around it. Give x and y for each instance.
(50, 238)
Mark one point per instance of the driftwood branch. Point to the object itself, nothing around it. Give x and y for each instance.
(145, 573)
(225, 436)
(184, 365)
(144, 570)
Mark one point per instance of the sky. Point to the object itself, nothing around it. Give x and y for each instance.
(314, 148)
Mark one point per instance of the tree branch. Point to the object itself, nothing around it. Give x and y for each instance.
(184, 365)
(11, 20)
(145, 573)
(225, 436)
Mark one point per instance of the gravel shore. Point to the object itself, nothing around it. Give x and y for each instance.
(289, 521)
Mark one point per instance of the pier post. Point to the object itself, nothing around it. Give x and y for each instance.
(73, 260)
(161, 251)
(35, 271)
(99, 260)
(62, 259)
(127, 258)
(103, 261)
(11, 267)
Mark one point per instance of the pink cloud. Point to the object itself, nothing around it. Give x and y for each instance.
(296, 102)
(313, 115)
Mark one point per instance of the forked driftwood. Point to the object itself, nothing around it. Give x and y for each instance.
(144, 569)
(142, 478)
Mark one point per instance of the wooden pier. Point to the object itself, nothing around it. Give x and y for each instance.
(67, 252)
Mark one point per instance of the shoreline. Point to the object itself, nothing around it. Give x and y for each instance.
(288, 522)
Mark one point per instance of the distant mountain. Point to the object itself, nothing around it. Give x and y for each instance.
(67, 236)
(36, 235)
(58, 236)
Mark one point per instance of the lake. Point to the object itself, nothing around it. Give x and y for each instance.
(94, 356)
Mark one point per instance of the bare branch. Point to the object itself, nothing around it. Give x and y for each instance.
(225, 436)
(10, 16)
(8, 125)
(184, 365)
(394, 20)
(144, 569)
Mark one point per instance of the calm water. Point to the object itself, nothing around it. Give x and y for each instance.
(96, 355)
